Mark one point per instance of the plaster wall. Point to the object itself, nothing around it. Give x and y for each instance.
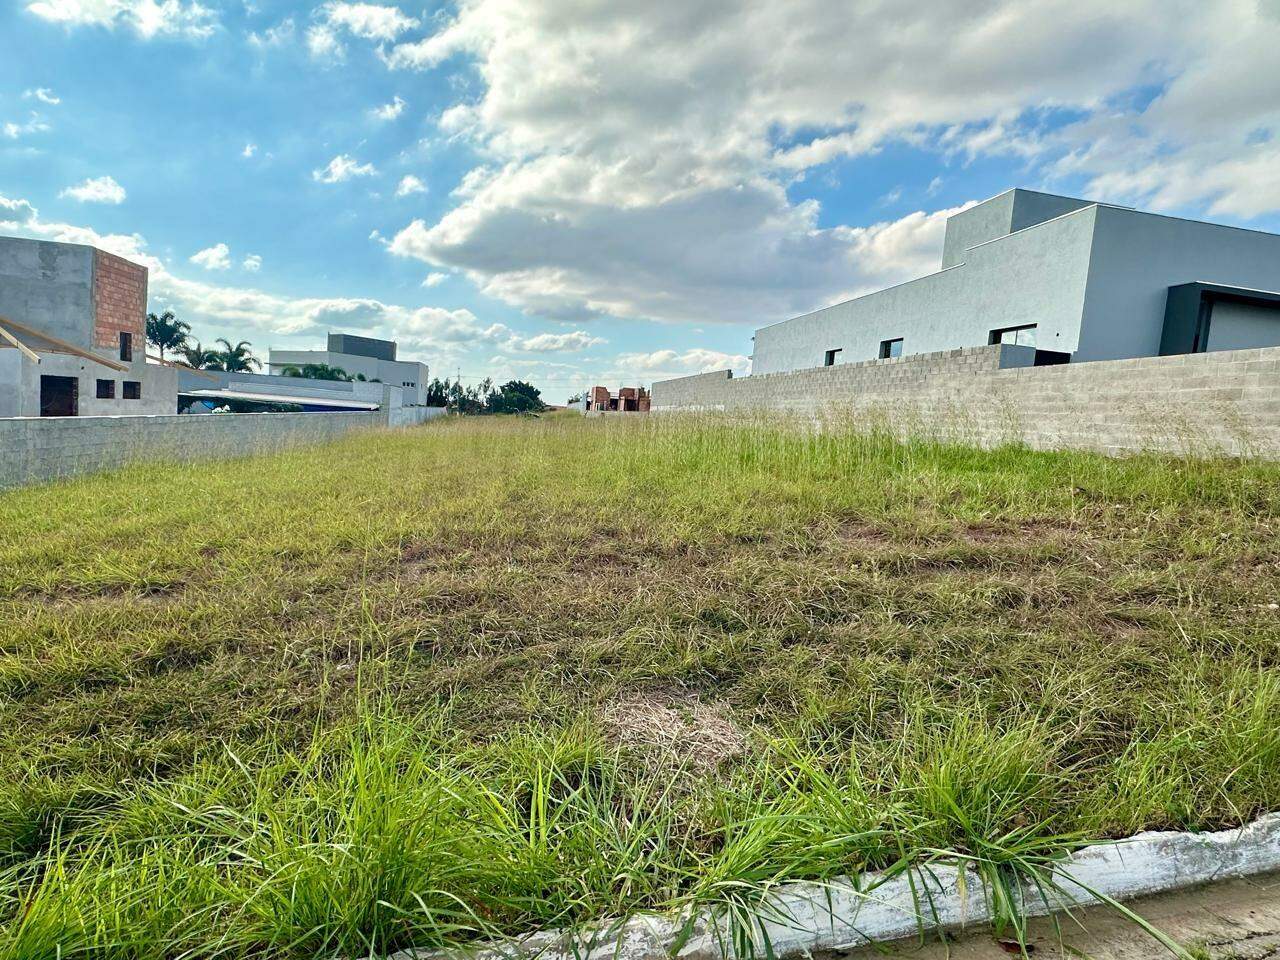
(1136, 258)
(20, 385)
(1240, 326)
(1035, 276)
(49, 287)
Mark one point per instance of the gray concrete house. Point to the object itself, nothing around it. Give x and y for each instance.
(73, 334)
(375, 359)
(1075, 279)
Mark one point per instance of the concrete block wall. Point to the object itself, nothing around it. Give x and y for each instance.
(1224, 402)
(34, 449)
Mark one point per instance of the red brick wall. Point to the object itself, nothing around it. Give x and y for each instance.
(119, 302)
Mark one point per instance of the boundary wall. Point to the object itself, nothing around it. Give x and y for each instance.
(1225, 402)
(34, 449)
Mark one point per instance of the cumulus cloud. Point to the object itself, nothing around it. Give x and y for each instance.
(252, 263)
(217, 257)
(560, 342)
(342, 167)
(637, 160)
(323, 43)
(368, 20)
(672, 363)
(96, 190)
(148, 18)
(435, 279)
(249, 150)
(43, 94)
(409, 184)
(389, 111)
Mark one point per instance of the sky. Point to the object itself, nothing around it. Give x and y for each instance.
(574, 192)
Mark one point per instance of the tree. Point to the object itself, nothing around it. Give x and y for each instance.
(237, 359)
(198, 358)
(516, 396)
(317, 371)
(167, 332)
(438, 393)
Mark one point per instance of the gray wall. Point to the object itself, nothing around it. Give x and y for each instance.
(1138, 256)
(1223, 402)
(20, 385)
(33, 450)
(48, 286)
(1011, 211)
(1241, 326)
(1035, 276)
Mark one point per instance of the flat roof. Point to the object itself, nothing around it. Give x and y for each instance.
(277, 398)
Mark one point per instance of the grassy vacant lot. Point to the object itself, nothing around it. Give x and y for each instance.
(493, 675)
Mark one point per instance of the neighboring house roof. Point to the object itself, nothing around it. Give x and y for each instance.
(280, 398)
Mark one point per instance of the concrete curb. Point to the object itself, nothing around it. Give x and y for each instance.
(804, 918)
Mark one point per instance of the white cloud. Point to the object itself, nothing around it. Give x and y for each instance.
(148, 18)
(560, 342)
(252, 263)
(323, 44)
(44, 95)
(276, 36)
(435, 279)
(342, 167)
(249, 150)
(96, 190)
(35, 124)
(409, 184)
(637, 160)
(368, 20)
(670, 362)
(217, 257)
(389, 111)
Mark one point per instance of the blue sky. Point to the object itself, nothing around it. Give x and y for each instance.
(576, 192)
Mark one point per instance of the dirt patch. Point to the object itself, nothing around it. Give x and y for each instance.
(672, 731)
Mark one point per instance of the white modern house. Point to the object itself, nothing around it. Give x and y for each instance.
(73, 334)
(1075, 279)
(361, 356)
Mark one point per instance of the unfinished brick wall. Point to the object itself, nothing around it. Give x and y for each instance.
(119, 301)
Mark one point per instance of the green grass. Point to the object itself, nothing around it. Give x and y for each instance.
(493, 676)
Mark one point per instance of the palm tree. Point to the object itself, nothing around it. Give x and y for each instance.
(198, 358)
(237, 359)
(316, 371)
(167, 332)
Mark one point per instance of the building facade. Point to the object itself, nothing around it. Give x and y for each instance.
(365, 356)
(73, 334)
(626, 400)
(1074, 279)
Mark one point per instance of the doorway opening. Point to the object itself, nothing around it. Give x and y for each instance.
(59, 396)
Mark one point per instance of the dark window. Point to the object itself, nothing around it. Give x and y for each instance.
(126, 347)
(1023, 336)
(890, 348)
(59, 396)
(830, 360)
(132, 390)
(106, 389)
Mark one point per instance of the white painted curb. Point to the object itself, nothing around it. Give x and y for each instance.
(803, 918)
